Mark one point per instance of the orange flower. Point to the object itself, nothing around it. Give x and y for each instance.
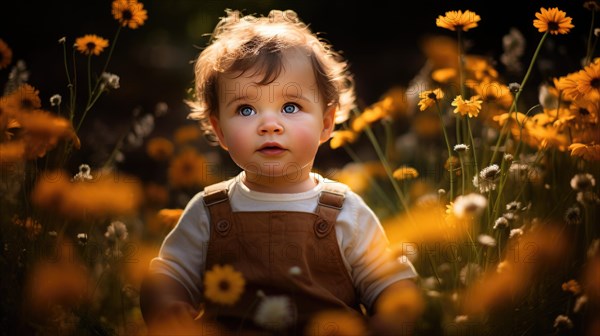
(129, 13)
(587, 152)
(189, 169)
(5, 54)
(24, 99)
(429, 98)
(159, 149)
(106, 195)
(470, 107)
(223, 284)
(339, 138)
(185, 134)
(454, 20)
(91, 44)
(553, 21)
(169, 217)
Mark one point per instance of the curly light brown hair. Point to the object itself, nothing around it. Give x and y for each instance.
(241, 43)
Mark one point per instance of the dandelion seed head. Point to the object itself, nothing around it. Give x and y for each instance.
(460, 148)
(295, 270)
(573, 215)
(471, 204)
(274, 313)
(579, 303)
(500, 223)
(563, 322)
(82, 238)
(116, 231)
(515, 233)
(514, 87)
(583, 181)
(55, 100)
(486, 240)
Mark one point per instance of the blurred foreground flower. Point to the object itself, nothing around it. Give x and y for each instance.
(223, 284)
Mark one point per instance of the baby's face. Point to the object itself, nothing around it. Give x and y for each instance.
(273, 130)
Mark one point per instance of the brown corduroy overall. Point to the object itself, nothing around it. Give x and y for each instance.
(265, 245)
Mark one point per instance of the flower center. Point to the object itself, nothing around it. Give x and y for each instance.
(127, 15)
(224, 285)
(583, 111)
(90, 46)
(26, 104)
(595, 83)
(432, 95)
(553, 26)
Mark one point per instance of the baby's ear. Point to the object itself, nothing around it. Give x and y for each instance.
(328, 123)
(214, 122)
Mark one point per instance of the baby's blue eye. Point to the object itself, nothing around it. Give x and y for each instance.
(246, 111)
(290, 108)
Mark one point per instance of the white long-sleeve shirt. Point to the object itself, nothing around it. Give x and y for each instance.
(361, 238)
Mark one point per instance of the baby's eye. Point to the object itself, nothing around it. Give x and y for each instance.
(290, 108)
(246, 111)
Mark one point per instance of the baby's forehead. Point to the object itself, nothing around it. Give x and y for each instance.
(292, 66)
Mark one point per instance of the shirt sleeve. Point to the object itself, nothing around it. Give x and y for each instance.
(372, 263)
(182, 255)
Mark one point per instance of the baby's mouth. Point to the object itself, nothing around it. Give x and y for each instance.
(271, 149)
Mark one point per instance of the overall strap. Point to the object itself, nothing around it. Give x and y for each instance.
(216, 200)
(331, 201)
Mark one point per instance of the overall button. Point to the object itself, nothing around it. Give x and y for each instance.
(223, 227)
(322, 228)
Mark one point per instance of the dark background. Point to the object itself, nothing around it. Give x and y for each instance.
(380, 40)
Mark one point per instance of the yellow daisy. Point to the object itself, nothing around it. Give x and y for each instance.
(470, 107)
(454, 20)
(5, 54)
(553, 21)
(160, 149)
(405, 173)
(339, 138)
(588, 81)
(24, 99)
(91, 44)
(129, 13)
(587, 152)
(223, 284)
(429, 98)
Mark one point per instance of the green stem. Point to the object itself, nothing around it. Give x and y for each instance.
(451, 170)
(590, 50)
(89, 77)
(472, 146)
(517, 95)
(388, 169)
(372, 181)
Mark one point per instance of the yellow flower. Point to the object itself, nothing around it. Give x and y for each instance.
(469, 107)
(189, 169)
(588, 81)
(445, 75)
(169, 217)
(429, 98)
(405, 173)
(405, 301)
(91, 44)
(223, 284)
(454, 20)
(129, 13)
(552, 20)
(5, 54)
(336, 322)
(340, 138)
(24, 99)
(587, 152)
(187, 133)
(159, 148)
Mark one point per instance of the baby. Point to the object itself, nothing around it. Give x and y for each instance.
(270, 92)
